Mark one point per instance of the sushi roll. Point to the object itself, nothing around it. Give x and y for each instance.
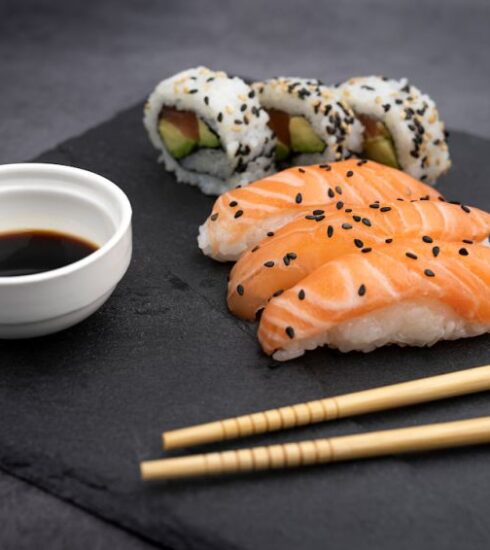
(277, 263)
(408, 292)
(311, 124)
(402, 128)
(210, 129)
(242, 217)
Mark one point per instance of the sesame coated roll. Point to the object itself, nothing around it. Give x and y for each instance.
(210, 130)
(311, 123)
(402, 127)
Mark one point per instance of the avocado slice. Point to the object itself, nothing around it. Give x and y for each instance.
(303, 137)
(378, 143)
(381, 150)
(207, 138)
(282, 151)
(177, 144)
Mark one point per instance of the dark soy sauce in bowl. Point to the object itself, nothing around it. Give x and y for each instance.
(36, 251)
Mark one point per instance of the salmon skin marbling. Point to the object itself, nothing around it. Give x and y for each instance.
(303, 245)
(244, 216)
(408, 292)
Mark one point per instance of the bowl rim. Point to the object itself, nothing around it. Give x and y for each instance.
(101, 181)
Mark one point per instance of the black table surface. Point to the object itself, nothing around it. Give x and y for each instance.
(66, 66)
(80, 409)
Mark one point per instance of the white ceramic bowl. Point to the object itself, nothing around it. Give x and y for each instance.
(73, 201)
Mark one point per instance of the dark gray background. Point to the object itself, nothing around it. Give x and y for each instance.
(66, 66)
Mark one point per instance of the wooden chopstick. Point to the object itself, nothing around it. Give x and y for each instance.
(320, 451)
(377, 399)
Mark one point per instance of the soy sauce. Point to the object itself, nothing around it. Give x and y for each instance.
(36, 251)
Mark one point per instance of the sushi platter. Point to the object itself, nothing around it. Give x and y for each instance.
(187, 337)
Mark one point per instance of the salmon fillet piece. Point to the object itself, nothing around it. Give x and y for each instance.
(240, 218)
(297, 249)
(452, 279)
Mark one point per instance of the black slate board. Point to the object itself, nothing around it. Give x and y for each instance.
(80, 409)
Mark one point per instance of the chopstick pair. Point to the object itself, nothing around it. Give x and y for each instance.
(404, 440)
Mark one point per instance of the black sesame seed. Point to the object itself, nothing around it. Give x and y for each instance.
(435, 251)
(206, 100)
(301, 294)
(362, 290)
(292, 255)
(238, 213)
(398, 101)
(251, 94)
(338, 189)
(237, 121)
(465, 209)
(356, 218)
(331, 194)
(269, 263)
(277, 293)
(299, 198)
(429, 273)
(214, 217)
(463, 252)
(366, 250)
(385, 209)
(326, 167)
(270, 233)
(243, 107)
(290, 332)
(411, 255)
(467, 241)
(319, 218)
(388, 241)
(329, 231)
(219, 117)
(255, 248)
(358, 243)
(361, 162)
(366, 221)
(286, 260)
(240, 290)
(374, 205)
(386, 107)
(192, 91)
(318, 212)
(349, 173)
(233, 203)
(301, 170)
(348, 210)
(339, 205)
(346, 226)
(427, 239)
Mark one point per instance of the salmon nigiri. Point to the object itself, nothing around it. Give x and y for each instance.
(406, 293)
(242, 217)
(303, 245)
